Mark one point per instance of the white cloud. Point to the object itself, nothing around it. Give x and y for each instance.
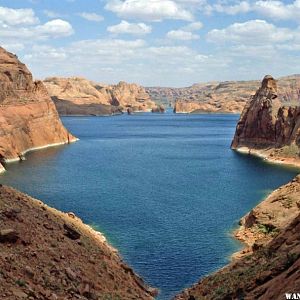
(13, 47)
(93, 17)
(251, 32)
(130, 28)
(111, 51)
(273, 9)
(11, 16)
(170, 51)
(193, 26)
(52, 14)
(53, 29)
(266, 52)
(290, 47)
(241, 7)
(185, 33)
(182, 35)
(149, 10)
(278, 9)
(42, 52)
(118, 56)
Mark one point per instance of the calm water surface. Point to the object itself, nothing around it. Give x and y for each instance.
(165, 189)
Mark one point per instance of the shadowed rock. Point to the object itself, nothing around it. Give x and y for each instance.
(28, 118)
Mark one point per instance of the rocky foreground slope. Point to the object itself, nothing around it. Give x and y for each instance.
(47, 254)
(221, 97)
(268, 128)
(28, 118)
(78, 96)
(269, 265)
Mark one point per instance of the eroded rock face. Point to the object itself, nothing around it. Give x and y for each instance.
(80, 96)
(268, 267)
(159, 109)
(211, 97)
(265, 122)
(47, 254)
(28, 118)
(222, 97)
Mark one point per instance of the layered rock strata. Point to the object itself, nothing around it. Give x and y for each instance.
(221, 97)
(78, 96)
(268, 128)
(268, 267)
(28, 117)
(47, 254)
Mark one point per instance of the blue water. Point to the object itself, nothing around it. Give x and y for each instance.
(165, 189)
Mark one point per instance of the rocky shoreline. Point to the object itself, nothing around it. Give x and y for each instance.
(268, 266)
(56, 256)
(48, 254)
(45, 253)
(28, 118)
(268, 156)
(23, 153)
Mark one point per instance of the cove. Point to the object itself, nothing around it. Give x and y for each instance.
(165, 189)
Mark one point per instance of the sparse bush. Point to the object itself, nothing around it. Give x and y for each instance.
(267, 228)
(290, 259)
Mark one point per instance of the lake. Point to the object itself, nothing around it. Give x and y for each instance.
(166, 190)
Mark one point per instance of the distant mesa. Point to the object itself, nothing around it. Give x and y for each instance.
(221, 97)
(79, 96)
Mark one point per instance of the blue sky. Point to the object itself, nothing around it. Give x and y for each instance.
(154, 42)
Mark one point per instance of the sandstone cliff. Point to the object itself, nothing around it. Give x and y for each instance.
(78, 96)
(268, 128)
(269, 266)
(28, 118)
(47, 254)
(221, 97)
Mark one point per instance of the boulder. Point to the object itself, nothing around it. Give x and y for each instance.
(8, 236)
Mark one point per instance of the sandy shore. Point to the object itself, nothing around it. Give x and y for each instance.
(23, 153)
(268, 208)
(268, 156)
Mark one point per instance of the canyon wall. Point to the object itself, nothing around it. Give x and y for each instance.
(44, 253)
(222, 97)
(268, 265)
(267, 127)
(78, 96)
(28, 118)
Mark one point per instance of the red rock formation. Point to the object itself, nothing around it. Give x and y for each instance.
(265, 123)
(159, 109)
(28, 118)
(222, 97)
(47, 254)
(73, 96)
(269, 266)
